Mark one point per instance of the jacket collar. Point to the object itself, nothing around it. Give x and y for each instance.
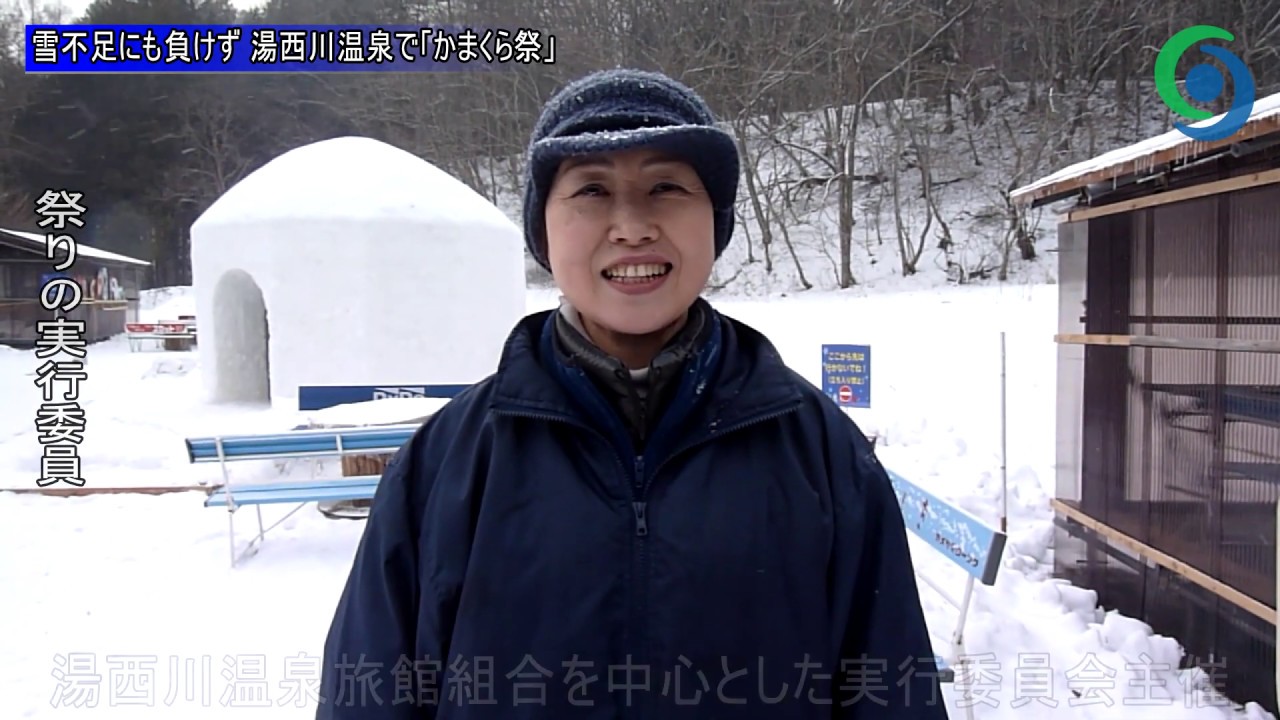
(573, 345)
(641, 398)
(738, 376)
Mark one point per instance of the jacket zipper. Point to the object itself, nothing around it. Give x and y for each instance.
(638, 508)
(641, 508)
(639, 487)
(638, 504)
(640, 580)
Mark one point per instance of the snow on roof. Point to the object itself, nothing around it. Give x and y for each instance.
(1134, 155)
(351, 178)
(82, 250)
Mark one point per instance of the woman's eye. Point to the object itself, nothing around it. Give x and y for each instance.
(590, 190)
(667, 187)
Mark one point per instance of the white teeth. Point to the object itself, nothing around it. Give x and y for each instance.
(646, 270)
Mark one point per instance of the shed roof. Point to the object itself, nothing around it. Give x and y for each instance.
(1144, 156)
(37, 243)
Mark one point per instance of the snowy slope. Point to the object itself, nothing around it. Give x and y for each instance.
(972, 167)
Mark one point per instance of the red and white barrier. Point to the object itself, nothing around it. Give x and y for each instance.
(137, 333)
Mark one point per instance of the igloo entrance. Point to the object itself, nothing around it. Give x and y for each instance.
(241, 339)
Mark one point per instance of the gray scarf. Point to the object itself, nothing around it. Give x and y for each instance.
(639, 395)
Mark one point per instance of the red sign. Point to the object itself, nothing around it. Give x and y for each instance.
(157, 328)
(846, 393)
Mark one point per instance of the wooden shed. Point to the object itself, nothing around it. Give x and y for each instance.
(1168, 413)
(110, 282)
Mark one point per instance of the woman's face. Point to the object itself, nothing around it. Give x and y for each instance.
(630, 240)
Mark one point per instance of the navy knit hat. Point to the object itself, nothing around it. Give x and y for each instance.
(614, 110)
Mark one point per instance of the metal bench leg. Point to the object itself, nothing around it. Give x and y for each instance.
(256, 543)
(964, 682)
(249, 550)
(231, 501)
(231, 530)
(287, 515)
(960, 679)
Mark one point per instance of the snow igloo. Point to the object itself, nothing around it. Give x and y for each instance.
(351, 262)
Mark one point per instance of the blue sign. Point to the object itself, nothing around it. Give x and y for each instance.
(319, 397)
(967, 541)
(846, 374)
(281, 48)
(46, 278)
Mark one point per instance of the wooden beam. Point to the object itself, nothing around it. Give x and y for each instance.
(1079, 339)
(1171, 343)
(1168, 562)
(1217, 187)
(82, 491)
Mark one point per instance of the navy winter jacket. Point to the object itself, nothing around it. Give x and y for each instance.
(521, 561)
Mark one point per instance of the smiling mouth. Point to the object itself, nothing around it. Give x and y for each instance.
(636, 273)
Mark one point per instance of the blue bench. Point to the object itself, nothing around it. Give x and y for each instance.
(360, 487)
(308, 444)
(328, 442)
(293, 444)
(970, 544)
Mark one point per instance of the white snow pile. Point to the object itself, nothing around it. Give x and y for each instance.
(314, 183)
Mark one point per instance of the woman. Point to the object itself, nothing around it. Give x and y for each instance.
(643, 513)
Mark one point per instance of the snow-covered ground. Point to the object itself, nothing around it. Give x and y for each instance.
(123, 606)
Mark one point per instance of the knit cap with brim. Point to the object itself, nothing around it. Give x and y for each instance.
(613, 110)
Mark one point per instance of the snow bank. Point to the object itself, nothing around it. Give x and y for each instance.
(166, 303)
(388, 411)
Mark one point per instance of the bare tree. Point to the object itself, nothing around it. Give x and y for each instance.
(866, 28)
